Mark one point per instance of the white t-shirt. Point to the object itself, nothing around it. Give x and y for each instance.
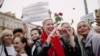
(11, 51)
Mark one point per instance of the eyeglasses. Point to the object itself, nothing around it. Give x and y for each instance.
(8, 35)
(68, 27)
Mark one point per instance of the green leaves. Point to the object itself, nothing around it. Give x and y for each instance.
(90, 22)
(58, 17)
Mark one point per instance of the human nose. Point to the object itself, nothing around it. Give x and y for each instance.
(82, 27)
(51, 25)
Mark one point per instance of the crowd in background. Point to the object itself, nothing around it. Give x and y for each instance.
(65, 41)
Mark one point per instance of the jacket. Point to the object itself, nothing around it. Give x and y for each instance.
(92, 43)
(56, 48)
(39, 49)
(68, 49)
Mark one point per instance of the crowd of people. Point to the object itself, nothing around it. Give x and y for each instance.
(64, 41)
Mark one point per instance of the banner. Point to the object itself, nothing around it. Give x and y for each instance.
(88, 18)
(36, 12)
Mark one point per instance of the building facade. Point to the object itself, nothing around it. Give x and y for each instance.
(9, 21)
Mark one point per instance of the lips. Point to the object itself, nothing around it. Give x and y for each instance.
(83, 31)
(50, 28)
(9, 40)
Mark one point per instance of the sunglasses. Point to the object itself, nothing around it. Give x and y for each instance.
(8, 35)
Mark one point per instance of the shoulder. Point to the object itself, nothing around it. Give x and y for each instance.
(96, 37)
(39, 40)
(38, 43)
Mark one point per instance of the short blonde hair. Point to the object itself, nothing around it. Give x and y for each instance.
(5, 32)
(45, 21)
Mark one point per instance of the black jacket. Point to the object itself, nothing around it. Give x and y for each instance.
(68, 49)
(40, 50)
(88, 50)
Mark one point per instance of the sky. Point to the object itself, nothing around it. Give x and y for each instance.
(64, 6)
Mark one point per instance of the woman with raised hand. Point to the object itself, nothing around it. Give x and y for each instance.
(56, 48)
(46, 46)
(90, 40)
(6, 46)
(69, 40)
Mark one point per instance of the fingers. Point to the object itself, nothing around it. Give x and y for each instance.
(64, 31)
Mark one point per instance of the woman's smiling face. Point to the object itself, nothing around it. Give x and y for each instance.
(83, 28)
(48, 26)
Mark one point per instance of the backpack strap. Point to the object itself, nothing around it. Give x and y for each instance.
(5, 50)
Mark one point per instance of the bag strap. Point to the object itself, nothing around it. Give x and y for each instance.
(5, 50)
(92, 48)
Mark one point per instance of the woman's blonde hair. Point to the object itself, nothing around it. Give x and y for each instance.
(72, 29)
(86, 25)
(45, 21)
(5, 32)
(65, 23)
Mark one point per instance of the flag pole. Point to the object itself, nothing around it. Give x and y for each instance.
(49, 13)
(1, 3)
(86, 8)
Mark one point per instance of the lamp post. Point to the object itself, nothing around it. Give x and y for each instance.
(3, 25)
(72, 21)
(49, 13)
(86, 8)
(1, 3)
